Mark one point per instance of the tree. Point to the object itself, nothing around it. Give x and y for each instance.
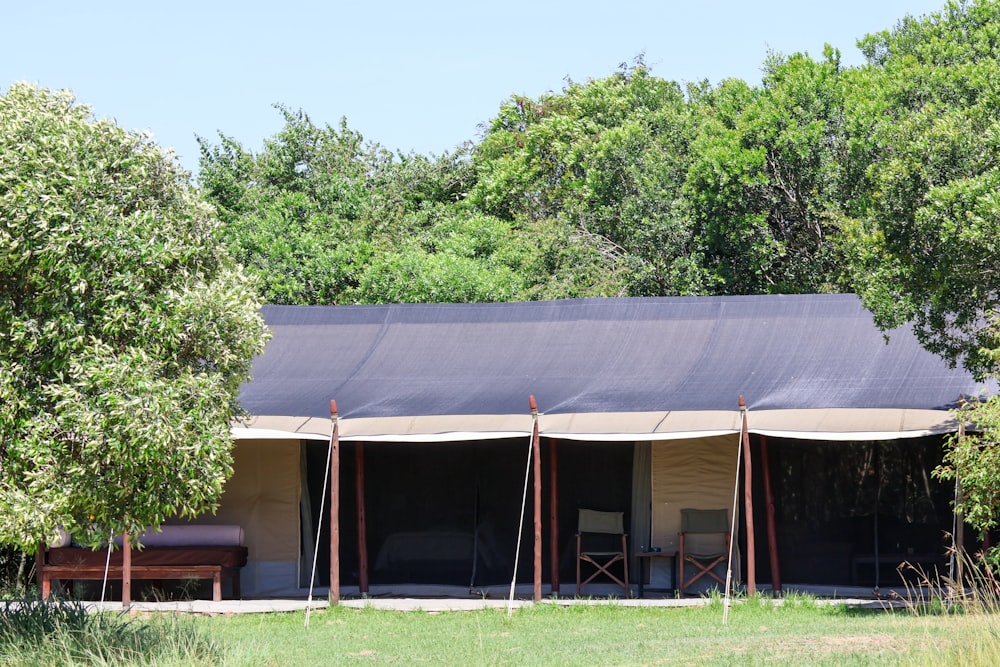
(764, 187)
(974, 459)
(607, 159)
(125, 329)
(926, 247)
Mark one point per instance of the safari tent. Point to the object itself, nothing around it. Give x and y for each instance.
(638, 410)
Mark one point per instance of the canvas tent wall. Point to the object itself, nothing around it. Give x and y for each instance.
(263, 497)
(603, 370)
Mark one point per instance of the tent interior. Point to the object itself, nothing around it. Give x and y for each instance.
(838, 505)
(448, 513)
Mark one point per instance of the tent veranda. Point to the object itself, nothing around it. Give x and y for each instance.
(811, 367)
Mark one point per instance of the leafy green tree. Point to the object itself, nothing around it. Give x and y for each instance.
(607, 158)
(295, 213)
(974, 459)
(320, 216)
(764, 190)
(449, 258)
(125, 328)
(926, 247)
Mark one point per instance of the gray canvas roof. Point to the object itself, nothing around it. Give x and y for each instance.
(599, 367)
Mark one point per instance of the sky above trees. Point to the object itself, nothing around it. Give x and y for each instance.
(410, 77)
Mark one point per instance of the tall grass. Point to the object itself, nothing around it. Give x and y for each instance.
(67, 633)
(971, 592)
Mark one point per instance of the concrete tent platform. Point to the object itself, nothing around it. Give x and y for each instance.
(436, 599)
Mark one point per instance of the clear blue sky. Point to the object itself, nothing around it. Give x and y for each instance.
(412, 76)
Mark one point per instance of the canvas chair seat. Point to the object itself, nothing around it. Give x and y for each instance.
(703, 558)
(601, 543)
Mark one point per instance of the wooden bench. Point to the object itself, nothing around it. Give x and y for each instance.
(155, 572)
(214, 561)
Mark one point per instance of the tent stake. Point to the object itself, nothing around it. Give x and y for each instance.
(748, 503)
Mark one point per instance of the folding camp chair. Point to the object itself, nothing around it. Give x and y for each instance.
(597, 543)
(705, 554)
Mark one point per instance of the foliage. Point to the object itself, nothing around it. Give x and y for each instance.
(67, 633)
(974, 459)
(926, 247)
(125, 329)
(764, 189)
(606, 158)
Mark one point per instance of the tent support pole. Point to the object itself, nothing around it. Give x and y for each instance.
(878, 497)
(748, 503)
(958, 534)
(334, 507)
(772, 531)
(126, 571)
(359, 485)
(554, 514)
(537, 464)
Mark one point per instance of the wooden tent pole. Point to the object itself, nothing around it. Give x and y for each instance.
(334, 507)
(126, 571)
(554, 513)
(748, 503)
(359, 486)
(772, 531)
(958, 536)
(537, 464)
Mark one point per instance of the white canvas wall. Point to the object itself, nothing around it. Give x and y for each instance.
(263, 497)
(698, 473)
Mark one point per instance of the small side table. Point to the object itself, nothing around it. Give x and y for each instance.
(643, 556)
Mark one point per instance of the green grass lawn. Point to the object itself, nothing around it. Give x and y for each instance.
(758, 632)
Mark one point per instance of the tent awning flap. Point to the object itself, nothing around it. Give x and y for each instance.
(431, 428)
(278, 427)
(636, 426)
(851, 423)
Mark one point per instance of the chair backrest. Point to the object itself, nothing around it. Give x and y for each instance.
(704, 521)
(593, 521)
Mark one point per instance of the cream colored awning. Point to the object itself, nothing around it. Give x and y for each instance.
(837, 424)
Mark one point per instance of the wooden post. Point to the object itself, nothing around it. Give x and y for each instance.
(359, 483)
(772, 530)
(39, 564)
(554, 513)
(537, 464)
(126, 571)
(334, 507)
(748, 504)
(958, 539)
